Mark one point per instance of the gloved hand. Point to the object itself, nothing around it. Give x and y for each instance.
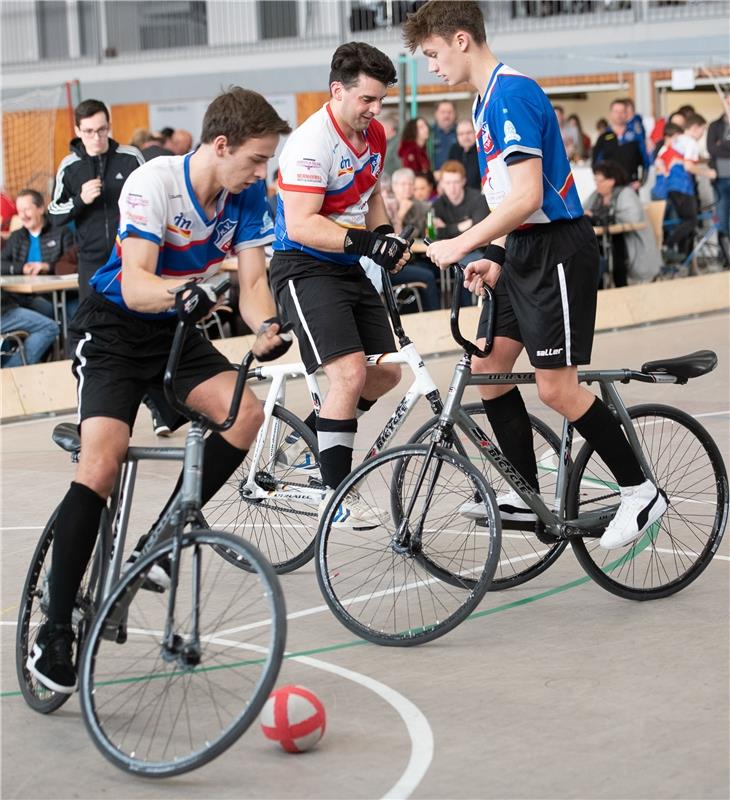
(271, 348)
(385, 248)
(195, 301)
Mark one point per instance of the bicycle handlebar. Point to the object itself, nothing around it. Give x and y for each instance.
(470, 348)
(173, 362)
(389, 295)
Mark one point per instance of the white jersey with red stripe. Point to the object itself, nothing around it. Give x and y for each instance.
(318, 159)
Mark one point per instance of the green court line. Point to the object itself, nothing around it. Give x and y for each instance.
(641, 545)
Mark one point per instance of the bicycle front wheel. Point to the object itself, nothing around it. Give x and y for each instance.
(523, 555)
(184, 683)
(425, 566)
(277, 511)
(675, 550)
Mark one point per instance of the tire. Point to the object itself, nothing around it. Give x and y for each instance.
(361, 571)
(32, 614)
(676, 549)
(523, 556)
(283, 529)
(158, 714)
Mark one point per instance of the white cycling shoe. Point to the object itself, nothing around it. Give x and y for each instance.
(297, 456)
(353, 512)
(512, 508)
(641, 506)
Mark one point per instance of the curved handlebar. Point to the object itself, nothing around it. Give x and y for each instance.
(173, 362)
(470, 348)
(388, 293)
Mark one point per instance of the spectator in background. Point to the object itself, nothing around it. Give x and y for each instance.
(583, 149)
(635, 253)
(568, 133)
(718, 146)
(87, 188)
(389, 121)
(7, 211)
(443, 133)
(412, 150)
(678, 118)
(149, 144)
(616, 145)
(456, 210)
(424, 187)
(410, 211)
(41, 331)
(465, 152)
(38, 248)
(635, 130)
(181, 142)
(166, 136)
(601, 125)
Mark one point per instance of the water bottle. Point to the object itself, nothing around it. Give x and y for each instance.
(430, 229)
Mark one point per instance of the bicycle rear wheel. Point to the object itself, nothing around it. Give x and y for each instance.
(676, 549)
(395, 593)
(160, 709)
(277, 516)
(523, 555)
(33, 613)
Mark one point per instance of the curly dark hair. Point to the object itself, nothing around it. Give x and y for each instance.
(444, 18)
(352, 59)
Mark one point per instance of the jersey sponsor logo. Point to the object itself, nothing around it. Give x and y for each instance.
(224, 233)
(510, 133)
(135, 200)
(172, 229)
(309, 163)
(550, 351)
(181, 222)
(487, 143)
(307, 178)
(133, 216)
(266, 223)
(175, 196)
(346, 167)
(376, 164)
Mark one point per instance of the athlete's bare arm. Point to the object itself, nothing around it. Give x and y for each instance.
(306, 225)
(255, 301)
(377, 215)
(524, 198)
(142, 290)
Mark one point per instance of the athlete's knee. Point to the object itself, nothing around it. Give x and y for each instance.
(389, 376)
(557, 395)
(98, 471)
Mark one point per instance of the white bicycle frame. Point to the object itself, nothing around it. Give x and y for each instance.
(422, 386)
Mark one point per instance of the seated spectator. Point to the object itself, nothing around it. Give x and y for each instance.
(457, 209)
(38, 248)
(621, 146)
(636, 256)
(41, 332)
(424, 187)
(443, 133)
(412, 150)
(410, 211)
(465, 151)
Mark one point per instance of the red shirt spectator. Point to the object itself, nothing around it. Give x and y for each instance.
(7, 210)
(412, 150)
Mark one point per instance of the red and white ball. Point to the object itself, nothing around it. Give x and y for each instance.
(294, 717)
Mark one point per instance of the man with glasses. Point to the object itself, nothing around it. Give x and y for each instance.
(87, 188)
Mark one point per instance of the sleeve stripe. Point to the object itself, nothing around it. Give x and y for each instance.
(130, 230)
(54, 207)
(131, 151)
(288, 187)
(253, 243)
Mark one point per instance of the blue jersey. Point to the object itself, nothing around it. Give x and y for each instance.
(515, 119)
(157, 203)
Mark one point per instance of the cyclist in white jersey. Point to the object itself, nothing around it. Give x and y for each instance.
(540, 255)
(330, 214)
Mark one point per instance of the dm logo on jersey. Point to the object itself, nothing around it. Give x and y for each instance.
(182, 226)
(510, 134)
(487, 143)
(224, 233)
(375, 164)
(346, 167)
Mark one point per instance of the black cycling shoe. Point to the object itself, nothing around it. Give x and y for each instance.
(51, 661)
(158, 576)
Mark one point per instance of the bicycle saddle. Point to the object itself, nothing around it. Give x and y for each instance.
(66, 436)
(684, 367)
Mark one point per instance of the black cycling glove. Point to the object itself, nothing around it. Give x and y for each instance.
(385, 249)
(284, 334)
(198, 303)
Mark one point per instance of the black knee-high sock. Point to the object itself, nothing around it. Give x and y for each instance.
(74, 536)
(363, 405)
(599, 427)
(335, 438)
(511, 425)
(219, 462)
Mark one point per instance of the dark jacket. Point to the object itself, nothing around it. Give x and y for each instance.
(628, 154)
(718, 144)
(473, 207)
(470, 160)
(55, 243)
(96, 223)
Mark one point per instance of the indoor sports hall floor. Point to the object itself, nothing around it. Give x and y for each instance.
(559, 690)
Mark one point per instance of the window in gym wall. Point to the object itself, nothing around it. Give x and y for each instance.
(278, 19)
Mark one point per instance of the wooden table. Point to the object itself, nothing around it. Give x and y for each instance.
(55, 285)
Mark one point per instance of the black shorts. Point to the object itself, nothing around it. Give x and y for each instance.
(118, 356)
(333, 314)
(546, 295)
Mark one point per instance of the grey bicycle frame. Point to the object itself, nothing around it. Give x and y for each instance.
(453, 414)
